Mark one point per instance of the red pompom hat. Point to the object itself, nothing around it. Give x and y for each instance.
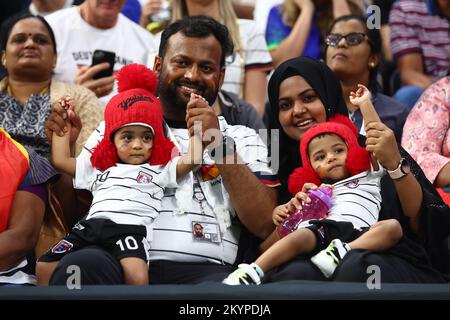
(358, 159)
(134, 104)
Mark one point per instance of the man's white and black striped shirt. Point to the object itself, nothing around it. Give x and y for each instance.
(172, 232)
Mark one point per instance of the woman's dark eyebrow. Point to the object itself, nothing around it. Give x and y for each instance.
(305, 92)
(27, 33)
(300, 94)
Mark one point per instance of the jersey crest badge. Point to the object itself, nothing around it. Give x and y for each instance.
(62, 247)
(144, 178)
(352, 184)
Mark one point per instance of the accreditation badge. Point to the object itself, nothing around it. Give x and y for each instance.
(205, 231)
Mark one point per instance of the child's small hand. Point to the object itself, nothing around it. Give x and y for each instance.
(279, 214)
(67, 103)
(360, 96)
(296, 202)
(195, 101)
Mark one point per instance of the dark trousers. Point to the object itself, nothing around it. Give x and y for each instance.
(354, 268)
(98, 267)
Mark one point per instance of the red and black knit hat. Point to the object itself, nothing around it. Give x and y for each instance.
(358, 159)
(134, 104)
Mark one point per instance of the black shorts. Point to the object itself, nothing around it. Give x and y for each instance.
(327, 230)
(121, 240)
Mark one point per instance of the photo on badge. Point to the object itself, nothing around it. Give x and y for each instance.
(203, 231)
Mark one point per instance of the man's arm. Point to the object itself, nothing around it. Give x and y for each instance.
(252, 200)
(23, 230)
(411, 71)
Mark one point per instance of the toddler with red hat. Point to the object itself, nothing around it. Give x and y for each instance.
(331, 155)
(129, 170)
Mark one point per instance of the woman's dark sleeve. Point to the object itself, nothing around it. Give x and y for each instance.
(434, 217)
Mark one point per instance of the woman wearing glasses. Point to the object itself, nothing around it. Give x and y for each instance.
(353, 52)
(296, 27)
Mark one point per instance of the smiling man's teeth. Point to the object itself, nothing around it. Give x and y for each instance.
(189, 89)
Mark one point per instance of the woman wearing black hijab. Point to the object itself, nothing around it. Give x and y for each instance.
(302, 92)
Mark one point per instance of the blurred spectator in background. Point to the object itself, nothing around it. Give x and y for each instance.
(79, 31)
(385, 8)
(261, 12)
(426, 135)
(132, 10)
(296, 27)
(420, 43)
(23, 198)
(36, 7)
(353, 52)
(28, 91)
(246, 69)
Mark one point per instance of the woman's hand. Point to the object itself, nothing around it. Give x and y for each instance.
(380, 140)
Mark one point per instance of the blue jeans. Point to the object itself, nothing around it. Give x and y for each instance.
(408, 95)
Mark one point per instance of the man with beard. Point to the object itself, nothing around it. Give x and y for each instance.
(226, 194)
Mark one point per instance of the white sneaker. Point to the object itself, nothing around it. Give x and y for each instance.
(244, 274)
(328, 259)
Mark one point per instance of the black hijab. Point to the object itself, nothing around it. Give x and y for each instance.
(328, 88)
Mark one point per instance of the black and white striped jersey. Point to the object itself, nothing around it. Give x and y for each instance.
(357, 199)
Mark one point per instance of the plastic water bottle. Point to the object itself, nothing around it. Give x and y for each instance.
(316, 209)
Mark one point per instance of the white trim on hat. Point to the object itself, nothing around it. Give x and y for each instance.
(137, 124)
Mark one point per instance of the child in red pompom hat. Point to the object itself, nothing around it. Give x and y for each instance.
(131, 166)
(330, 154)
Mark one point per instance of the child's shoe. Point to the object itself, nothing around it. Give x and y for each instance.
(245, 274)
(328, 259)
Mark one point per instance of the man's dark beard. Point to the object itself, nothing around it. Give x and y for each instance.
(175, 104)
(170, 99)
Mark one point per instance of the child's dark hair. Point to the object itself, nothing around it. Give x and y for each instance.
(199, 27)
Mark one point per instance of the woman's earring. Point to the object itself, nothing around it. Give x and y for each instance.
(372, 64)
